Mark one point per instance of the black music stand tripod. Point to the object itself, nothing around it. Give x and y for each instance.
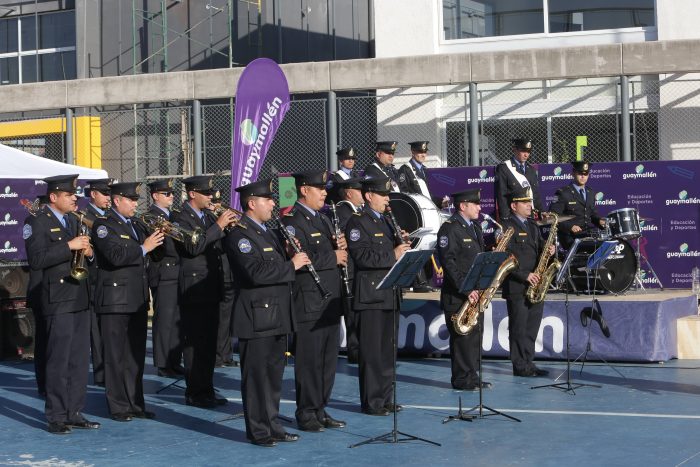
(402, 274)
(480, 277)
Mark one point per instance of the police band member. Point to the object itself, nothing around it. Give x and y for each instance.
(412, 177)
(262, 312)
(349, 195)
(371, 245)
(122, 301)
(346, 164)
(163, 274)
(51, 241)
(224, 349)
(98, 193)
(317, 320)
(523, 317)
(577, 200)
(513, 175)
(460, 239)
(383, 165)
(200, 287)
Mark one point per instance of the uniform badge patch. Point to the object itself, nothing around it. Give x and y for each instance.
(443, 241)
(291, 230)
(402, 178)
(355, 235)
(26, 231)
(102, 231)
(244, 245)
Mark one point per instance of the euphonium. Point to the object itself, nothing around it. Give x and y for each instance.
(78, 268)
(154, 222)
(546, 270)
(467, 316)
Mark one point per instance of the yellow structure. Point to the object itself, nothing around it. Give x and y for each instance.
(86, 135)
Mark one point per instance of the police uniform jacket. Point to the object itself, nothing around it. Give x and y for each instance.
(164, 264)
(92, 214)
(48, 251)
(408, 178)
(200, 263)
(264, 276)
(458, 245)
(506, 183)
(219, 247)
(371, 245)
(314, 235)
(372, 171)
(570, 202)
(526, 245)
(122, 282)
(345, 211)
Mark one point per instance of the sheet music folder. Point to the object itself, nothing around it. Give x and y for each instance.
(405, 269)
(483, 270)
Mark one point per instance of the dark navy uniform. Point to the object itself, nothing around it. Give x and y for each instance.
(224, 348)
(262, 318)
(34, 302)
(458, 244)
(200, 286)
(523, 317)
(371, 245)
(342, 174)
(506, 183)
(411, 177)
(377, 170)
(121, 302)
(317, 319)
(64, 308)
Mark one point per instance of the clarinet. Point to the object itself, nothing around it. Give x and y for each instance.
(297, 249)
(395, 225)
(344, 273)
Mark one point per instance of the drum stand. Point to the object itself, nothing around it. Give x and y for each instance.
(638, 277)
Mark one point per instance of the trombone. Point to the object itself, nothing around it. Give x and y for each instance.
(221, 208)
(78, 268)
(154, 222)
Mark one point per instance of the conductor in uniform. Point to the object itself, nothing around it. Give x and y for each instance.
(460, 239)
(515, 174)
(412, 177)
(200, 285)
(317, 319)
(383, 165)
(122, 299)
(163, 274)
(524, 318)
(262, 311)
(577, 199)
(346, 164)
(373, 250)
(98, 192)
(52, 241)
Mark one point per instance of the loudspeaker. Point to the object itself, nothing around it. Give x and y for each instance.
(18, 331)
(13, 282)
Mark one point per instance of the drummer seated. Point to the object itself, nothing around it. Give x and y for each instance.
(577, 200)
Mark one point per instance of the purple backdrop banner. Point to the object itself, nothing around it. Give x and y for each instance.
(262, 100)
(666, 194)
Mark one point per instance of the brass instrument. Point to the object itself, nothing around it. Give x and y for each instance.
(78, 268)
(218, 211)
(32, 206)
(467, 316)
(545, 269)
(344, 273)
(155, 222)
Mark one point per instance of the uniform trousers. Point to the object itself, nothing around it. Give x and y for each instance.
(39, 350)
(262, 368)
(96, 348)
(350, 316)
(524, 320)
(167, 332)
(464, 353)
(223, 340)
(315, 361)
(124, 338)
(67, 365)
(376, 360)
(200, 323)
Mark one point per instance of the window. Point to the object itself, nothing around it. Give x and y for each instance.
(588, 15)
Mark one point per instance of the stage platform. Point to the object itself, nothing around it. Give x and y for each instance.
(642, 326)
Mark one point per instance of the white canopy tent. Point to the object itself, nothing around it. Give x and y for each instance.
(19, 164)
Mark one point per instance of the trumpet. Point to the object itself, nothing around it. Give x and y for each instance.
(221, 208)
(78, 268)
(154, 222)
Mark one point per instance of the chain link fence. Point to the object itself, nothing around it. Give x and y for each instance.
(29, 134)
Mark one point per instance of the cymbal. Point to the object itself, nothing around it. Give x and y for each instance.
(550, 220)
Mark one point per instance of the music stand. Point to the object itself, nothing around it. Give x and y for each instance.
(480, 277)
(400, 275)
(562, 276)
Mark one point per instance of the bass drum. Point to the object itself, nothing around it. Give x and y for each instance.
(617, 273)
(413, 211)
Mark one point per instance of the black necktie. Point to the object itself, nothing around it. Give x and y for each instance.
(131, 228)
(582, 192)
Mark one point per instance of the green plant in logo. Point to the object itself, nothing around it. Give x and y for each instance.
(599, 196)
(683, 195)
(249, 132)
(482, 174)
(639, 169)
(684, 248)
(557, 171)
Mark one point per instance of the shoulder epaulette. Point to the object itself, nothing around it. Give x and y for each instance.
(357, 213)
(176, 210)
(290, 214)
(448, 221)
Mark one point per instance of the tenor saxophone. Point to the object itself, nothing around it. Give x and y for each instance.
(545, 269)
(467, 316)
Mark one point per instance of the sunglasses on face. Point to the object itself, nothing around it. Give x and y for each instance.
(166, 193)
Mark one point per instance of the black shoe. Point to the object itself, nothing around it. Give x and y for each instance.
(391, 408)
(287, 438)
(144, 414)
(202, 402)
(100, 383)
(178, 369)
(167, 373)
(121, 417)
(528, 373)
(383, 412)
(312, 426)
(423, 289)
(220, 400)
(84, 425)
(475, 386)
(266, 442)
(330, 422)
(539, 371)
(353, 357)
(230, 363)
(59, 428)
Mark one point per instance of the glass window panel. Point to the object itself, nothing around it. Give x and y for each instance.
(57, 30)
(9, 70)
(463, 19)
(8, 35)
(58, 66)
(29, 68)
(28, 33)
(588, 15)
